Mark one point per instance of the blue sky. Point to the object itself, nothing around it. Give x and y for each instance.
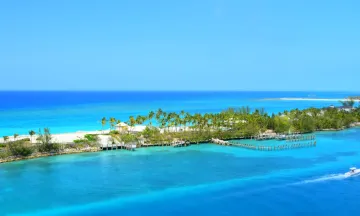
(180, 45)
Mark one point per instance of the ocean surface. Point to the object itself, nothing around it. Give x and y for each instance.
(197, 180)
(82, 111)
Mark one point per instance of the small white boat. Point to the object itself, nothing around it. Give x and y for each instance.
(353, 171)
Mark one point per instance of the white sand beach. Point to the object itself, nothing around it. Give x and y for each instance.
(70, 137)
(62, 138)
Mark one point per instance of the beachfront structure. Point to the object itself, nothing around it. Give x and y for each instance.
(107, 143)
(125, 128)
(122, 127)
(137, 128)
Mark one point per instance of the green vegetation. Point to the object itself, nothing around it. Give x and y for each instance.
(113, 132)
(20, 148)
(349, 102)
(46, 144)
(92, 137)
(90, 140)
(235, 123)
(15, 136)
(127, 138)
(31, 133)
(4, 154)
(6, 138)
(24, 148)
(103, 122)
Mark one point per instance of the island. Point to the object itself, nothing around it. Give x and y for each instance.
(177, 129)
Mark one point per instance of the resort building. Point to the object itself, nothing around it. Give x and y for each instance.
(122, 127)
(137, 129)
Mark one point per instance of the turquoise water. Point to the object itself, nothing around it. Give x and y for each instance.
(74, 111)
(198, 180)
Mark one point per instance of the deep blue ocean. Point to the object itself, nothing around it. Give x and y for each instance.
(197, 180)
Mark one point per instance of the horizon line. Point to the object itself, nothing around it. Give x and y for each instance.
(139, 90)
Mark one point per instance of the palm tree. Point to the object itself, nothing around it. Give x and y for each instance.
(31, 133)
(5, 138)
(139, 119)
(15, 136)
(348, 102)
(103, 123)
(181, 117)
(187, 119)
(132, 122)
(177, 121)
(158, 115)
(150, 117)
(112, 121)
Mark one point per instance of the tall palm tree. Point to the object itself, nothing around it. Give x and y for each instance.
(103, 123)
(150, 117)
(132, 122)
(181, 117)
(139, 120)
(15, 136)
(187, 119)
(112, 121)
(177, 121)
(158, 116)
(5, 138)
(31, 133)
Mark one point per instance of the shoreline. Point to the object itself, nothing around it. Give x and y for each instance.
(69, 137)
(43, 155)
(97, 149)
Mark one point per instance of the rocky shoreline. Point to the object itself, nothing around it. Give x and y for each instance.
(39, 155)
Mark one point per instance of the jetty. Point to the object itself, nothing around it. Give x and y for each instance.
(299, 137)
(130, 147)
(274, 147)
(269, 135)
(265, 147)
(180, 144)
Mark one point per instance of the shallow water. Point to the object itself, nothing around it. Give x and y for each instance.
(201, 179)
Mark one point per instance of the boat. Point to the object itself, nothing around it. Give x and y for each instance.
(353, 171)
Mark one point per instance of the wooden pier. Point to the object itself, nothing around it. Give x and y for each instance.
(300, 138)
(286, 146)
(180, 144)
(129, 147)
(288, 138)
(273, 147)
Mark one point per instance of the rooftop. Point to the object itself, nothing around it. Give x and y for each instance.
(122, 124)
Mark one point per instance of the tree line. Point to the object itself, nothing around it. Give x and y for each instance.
(234, 123)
